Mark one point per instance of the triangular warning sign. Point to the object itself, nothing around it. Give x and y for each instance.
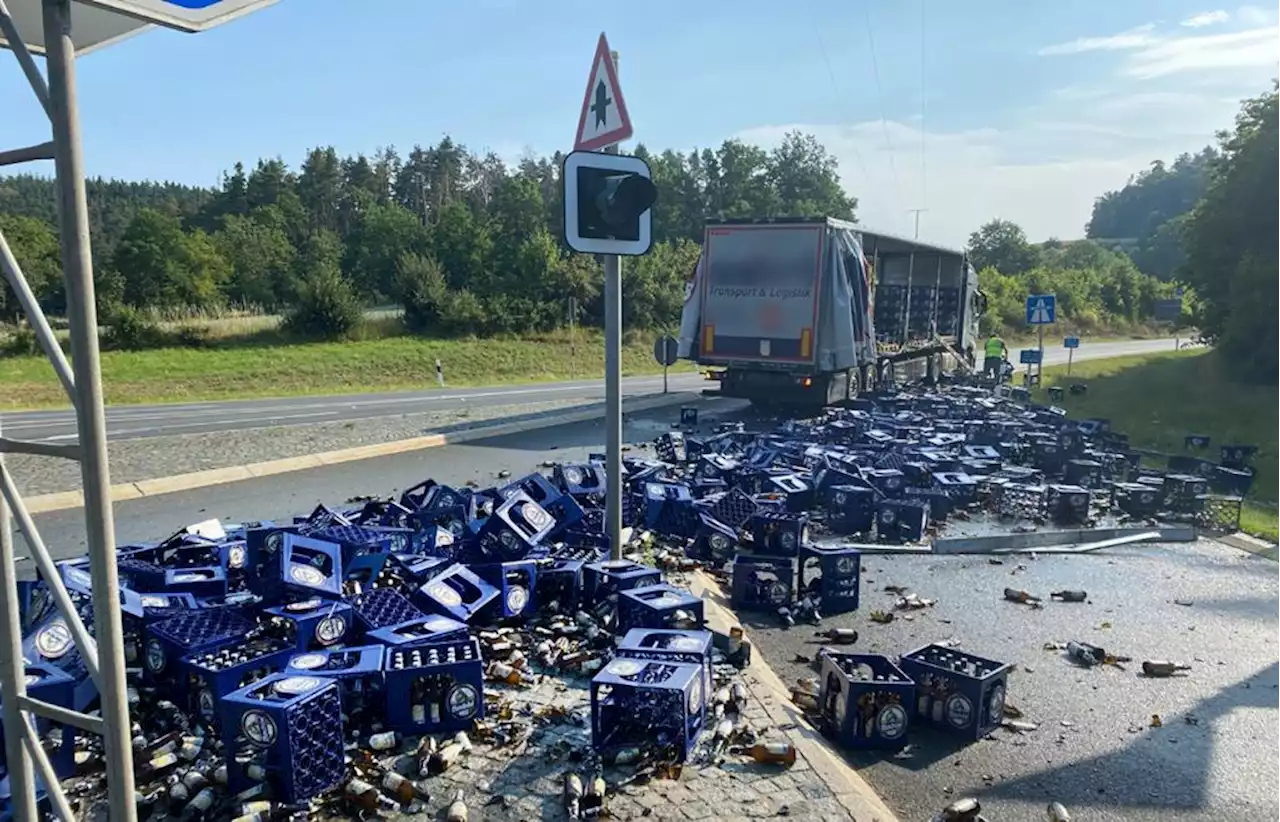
(604, 120)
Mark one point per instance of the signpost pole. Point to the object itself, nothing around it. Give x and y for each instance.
(1040, 364)
(1071, 353)
(613, 387)
(91, 423)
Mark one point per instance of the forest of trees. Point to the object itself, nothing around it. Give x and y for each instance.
(469, 246)
(466, 244)
(1097, 287)
(1145, 218)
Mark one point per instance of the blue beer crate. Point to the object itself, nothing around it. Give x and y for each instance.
(835, 573)
(1068, 504)
(957, 692)
(658, 606)
(383, 512)
(793, 488)
(358, 661)
(187, 634)
(899, 521)
(380, 607)
(457, 593)
(212, 675)
(434, 688)
(581, 479)
(734, 509)
(517, 526)
(1086, 473)
(311, 566)
(714, 540)
(49, 684)
(670, 447)
(566, 511)
(421, 567)
(669, 509)
(960, 487)
(311, 624)
(888, 481)
(148, 577)
(50, 642)
(517, 583)
(264, 542)
(851, 509)
(536, 486)
(294, 726)
(667, 645)
(604, 579)
(864, 700)
(560, 581)
(424, 630)
(1136, 499)
(417, 496)
(779, 534)
(647, 703)
(362, 539)
(357, 670)
(763, 582)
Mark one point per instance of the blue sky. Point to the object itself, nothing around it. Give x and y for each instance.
(1009, 108)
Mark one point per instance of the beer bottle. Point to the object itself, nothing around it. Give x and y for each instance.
(838, 636)
(1069, 596)
(1014, 595)
(1162, 668)
(773, 753)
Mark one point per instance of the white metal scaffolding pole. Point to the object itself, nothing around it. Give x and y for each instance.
(104, 653)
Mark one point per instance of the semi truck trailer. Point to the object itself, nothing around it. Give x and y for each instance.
(813, 311)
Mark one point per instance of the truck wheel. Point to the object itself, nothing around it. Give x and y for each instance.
(867, 378)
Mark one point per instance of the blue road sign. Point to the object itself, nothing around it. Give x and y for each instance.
(1071, 342)
(1178, 292)
(1029, 356)
(1042, 309)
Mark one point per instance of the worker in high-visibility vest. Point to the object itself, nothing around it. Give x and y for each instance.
(994, 351)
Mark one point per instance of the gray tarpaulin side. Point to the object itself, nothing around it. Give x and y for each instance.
(851, 342)
(691, 316)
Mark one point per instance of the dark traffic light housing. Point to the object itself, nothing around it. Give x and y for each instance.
(608, 200)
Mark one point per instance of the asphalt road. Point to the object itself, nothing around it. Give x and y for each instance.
(132, 421)
(1213, 758)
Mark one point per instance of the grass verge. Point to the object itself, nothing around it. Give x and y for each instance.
(244, 371)
(1157, 399)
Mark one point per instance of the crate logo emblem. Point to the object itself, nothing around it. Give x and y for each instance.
(236, 557)
(307, 575)
(959, 710)
(778, 593)
(517, 598)
(463, 700)
(188, 577)
(55, 640)
(259, 728)
(846, 565)
(892, 721)
(995, 704)
(444, 595)
(685, 643)
(155, 656)
(842, 498)
(624, 667)
(331, 629)
(205, 703)
(535, 516)
(272, 542)
(294, 685)
(307, 662)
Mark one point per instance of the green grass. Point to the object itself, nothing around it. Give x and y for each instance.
(1158, 399)
(246, 370)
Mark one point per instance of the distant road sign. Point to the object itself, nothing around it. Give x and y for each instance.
(604, 120)
(1168, 311)
(666, 350)
(1029, 356)
(1071, 342)
(1178, 292)
(1042, 309)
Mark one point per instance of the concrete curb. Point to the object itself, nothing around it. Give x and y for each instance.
(123, 492)
(853, 792)
(1250, 544)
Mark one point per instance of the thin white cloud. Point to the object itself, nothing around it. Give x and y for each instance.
(1150, 54)
(1242, 49)
(1043, 172)
(1206, 18)
(1131, 39)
